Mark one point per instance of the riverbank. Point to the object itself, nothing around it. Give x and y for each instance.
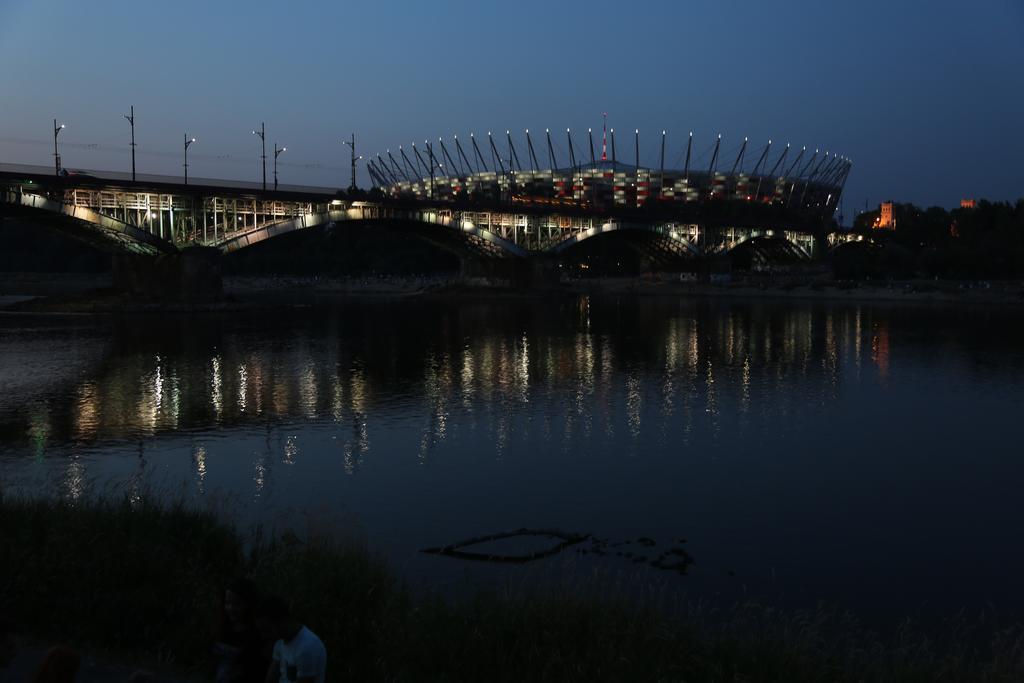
(136, 577)
(797, 288)
(93, 294)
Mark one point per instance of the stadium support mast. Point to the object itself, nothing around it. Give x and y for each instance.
(689, 149)
(792, 166)
(430, 153)
(779, 161)
(412, 169)
(495, 157)
(476, 150)
(604, 139)
(714, 157)
(448, 159)
(739, 158)
(590, 135)
(551, 151)
(757, 168)
(764, 155)
(512, 154)
(422, 164)
(395, 167)
(462, 155)
(529, 149)
(662, 164)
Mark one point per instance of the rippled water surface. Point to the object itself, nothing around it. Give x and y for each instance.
(867, 455)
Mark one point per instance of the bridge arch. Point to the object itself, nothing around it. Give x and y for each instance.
(88, 225)
(675, 235)
(779, 237)
(478, 239)
(760, 251)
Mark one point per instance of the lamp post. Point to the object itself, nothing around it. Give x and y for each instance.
(56, 157)
(277, 153)
(352, 145)
(188, 141)
(131, 120)
(262, 132)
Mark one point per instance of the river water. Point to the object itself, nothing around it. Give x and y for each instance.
(864, 455)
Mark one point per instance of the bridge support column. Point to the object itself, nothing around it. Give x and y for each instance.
(194, 274)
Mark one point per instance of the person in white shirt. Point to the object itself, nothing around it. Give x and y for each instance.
(299, 655)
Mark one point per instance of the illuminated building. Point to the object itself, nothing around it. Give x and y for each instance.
(886, 220)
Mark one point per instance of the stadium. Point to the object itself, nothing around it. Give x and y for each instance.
(806, 183)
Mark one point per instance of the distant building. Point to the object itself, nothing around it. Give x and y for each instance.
(968, 204)
(885, 220)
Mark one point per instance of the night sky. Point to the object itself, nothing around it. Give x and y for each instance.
(925, 96)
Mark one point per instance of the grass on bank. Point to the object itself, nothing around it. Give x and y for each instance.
(146, 578)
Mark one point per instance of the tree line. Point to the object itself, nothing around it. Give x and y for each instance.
(982, 242)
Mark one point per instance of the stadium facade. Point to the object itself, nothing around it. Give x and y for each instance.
(803, 182)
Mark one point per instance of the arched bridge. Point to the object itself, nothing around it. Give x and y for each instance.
(162, 216)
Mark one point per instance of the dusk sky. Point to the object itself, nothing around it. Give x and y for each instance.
(925, 96)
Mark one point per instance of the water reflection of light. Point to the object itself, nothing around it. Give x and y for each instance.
(39, 428)
(466, 378)
(523, 370)
(437, 384)
(607, 374)
(585, 382)
(362, 435)
(633, 404)
(337, 399)
(87, 409)
(501, 433)
(357, 391)
(260, 476)
(348, 459)
(243, 387)
(74, 478)
(309, 391)
(175, 400)
(830, 361)
(745, 386)
(216, 387)
(711, 397)
(254, 379)
(152, 397)
(199, 458)
(280, 397)
(158, 386)
(857, 338)
(291, 449)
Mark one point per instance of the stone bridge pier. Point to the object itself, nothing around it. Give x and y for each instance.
(192, 274)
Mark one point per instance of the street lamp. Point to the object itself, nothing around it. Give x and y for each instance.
(262, 132)
(131, 120)
(352, 144)
(56, 157)
(277, 153)
(188, 141)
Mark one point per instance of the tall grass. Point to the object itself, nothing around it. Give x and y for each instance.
(147, 578)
